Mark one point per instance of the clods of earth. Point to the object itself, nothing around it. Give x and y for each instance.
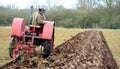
(86, 50)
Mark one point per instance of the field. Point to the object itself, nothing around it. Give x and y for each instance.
(61, 35)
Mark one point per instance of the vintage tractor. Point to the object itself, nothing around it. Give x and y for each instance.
(36, 41)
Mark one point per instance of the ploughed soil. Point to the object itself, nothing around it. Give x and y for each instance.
(86, 50)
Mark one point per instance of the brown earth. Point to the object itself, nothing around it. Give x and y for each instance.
(86, 50)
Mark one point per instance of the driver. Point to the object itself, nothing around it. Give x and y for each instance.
(38, 17)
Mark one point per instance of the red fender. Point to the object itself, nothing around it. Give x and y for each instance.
(18, 26)
(48, 30)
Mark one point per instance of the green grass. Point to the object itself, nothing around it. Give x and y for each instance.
(4, 40)
(61, 35)
(113, 39)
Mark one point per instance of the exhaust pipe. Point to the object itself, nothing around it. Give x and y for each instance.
(31, 11)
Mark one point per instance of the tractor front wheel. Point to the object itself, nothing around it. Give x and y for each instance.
(12, 43)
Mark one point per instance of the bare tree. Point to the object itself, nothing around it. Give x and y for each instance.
(48, 2)
(55, 3)
(51, 3)
(37, 3)
(86, 4)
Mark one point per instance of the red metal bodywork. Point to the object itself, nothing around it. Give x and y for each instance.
(48, 30)
(22, 46)
(18, 29)
(18, 26)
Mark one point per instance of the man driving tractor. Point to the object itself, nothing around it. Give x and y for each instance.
(37, 20)
(38, 17)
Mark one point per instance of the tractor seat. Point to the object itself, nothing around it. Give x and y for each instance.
(36, 26)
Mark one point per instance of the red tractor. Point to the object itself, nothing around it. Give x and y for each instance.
(25, 42)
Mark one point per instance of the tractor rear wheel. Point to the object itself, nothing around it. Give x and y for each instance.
(47, 48)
